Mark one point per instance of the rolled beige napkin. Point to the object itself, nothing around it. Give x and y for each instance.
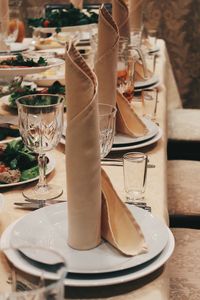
(120, 14)
(77, 3)
(4, 19)
(118, 225)
(127, 121)
(106, 59)
(82, 154)
(139, 72)
(136, 13)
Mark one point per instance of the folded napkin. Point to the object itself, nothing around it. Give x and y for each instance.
(128, 121)
(118, 225)
(77, 3)
(136, 13)
(139, 74)
(4, 19)
(82, 154)
(106, 59)
(120, 14)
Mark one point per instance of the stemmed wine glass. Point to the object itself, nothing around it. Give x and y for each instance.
(107, 116)
(40, 126)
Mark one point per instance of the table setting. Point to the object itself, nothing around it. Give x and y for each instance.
(105, 237)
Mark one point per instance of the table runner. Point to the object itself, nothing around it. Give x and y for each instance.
(156, 285)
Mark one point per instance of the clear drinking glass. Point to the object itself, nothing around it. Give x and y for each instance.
(135, 171)
(150, 100)
(107, 115)
(49, 283)
(40, 126)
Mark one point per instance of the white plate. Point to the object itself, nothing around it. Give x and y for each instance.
(123, 140)
(17, 71)
(81, 280)
(50, 166)
(140, 144)
(16, 47)
(154, 50)
(80, 28)
(146, 83)
(49, 225)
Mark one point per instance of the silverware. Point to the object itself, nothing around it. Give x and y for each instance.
(36, 204)
(118, 162)
(142, 205)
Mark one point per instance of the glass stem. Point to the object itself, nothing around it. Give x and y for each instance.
(42, 184)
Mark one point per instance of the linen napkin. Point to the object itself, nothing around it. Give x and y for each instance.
(128, 121)
(4, 19)
(136, 13)
(77, 3)
(82, 154)
(120, 14)
(139, 74)
(118, 226)
(106, 59)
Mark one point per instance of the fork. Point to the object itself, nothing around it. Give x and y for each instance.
(36, 204)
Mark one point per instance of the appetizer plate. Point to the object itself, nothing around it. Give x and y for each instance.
(50, 224)
(15, 48)
(50, 167)
(139, 145)
(123, 140)
(146, 83)
(80, 28)
(87, 280)
(21, 71)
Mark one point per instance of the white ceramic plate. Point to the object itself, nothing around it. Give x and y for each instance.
(50, 166)
(82, 280)
(147, 83)
(80, 28)
(48, 226)
(140, 144)
(17, 71)
(16, 47)
(122, 140)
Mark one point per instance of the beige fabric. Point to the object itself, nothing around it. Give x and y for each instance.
(127, 121)
(184, 124)
(184, 187)
(118, 225)
(106, 61)
(120, 14)
(4, 18)
(139, 72)
(136, 13)
(82, 154)
(184, 265)
(77, 3)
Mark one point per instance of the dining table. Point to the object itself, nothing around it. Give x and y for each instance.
(151, 286)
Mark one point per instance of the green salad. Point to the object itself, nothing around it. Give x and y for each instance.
(65, 17)
(20, 61)
(55, 88)
(17, 162)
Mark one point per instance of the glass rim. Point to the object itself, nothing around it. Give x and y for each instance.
(62, 97)
(140, 155)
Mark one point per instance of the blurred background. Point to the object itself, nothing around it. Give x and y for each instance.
(177, 22)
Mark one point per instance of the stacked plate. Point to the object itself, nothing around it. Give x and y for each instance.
(103, 265)
(124, 142)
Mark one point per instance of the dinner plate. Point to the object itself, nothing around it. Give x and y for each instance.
(79, 28)
(87, 280)
(151, 141)
(123, 140)
(49, 224)
(146, 83)
(21, 71)
(16, 47)
(50, 166)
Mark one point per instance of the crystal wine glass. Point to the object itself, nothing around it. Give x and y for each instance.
(107, 116)
(40, 126)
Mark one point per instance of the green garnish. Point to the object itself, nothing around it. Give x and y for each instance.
(64, 17)
(21, 61)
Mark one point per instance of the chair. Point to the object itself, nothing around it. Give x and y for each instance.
(184, 193)
(184, 134)
(184, 265)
